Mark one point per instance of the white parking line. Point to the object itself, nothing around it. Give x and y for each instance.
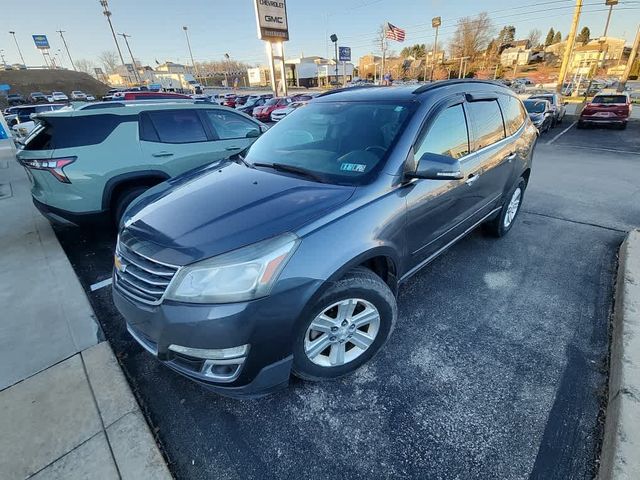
(104, 283)
(561, 133)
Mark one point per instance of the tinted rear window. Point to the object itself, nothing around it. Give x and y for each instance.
(486, 121)
(513, 114)
(177, 126)
(68, 132)
(609, 99)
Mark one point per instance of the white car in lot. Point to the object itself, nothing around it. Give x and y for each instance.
(78, 95)
(58, 97)
(279, 114)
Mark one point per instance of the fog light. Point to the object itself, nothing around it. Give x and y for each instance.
(212, 354)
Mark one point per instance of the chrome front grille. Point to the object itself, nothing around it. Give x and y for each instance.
(141, 278)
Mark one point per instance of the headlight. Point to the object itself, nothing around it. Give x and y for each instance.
(243, 274)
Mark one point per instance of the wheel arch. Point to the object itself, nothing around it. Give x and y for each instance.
(118, 183)
(382, 260)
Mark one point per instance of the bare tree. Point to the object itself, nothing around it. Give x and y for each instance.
(110, 60)
(534, 37)
(379, 37)
(84, 65)
(472, 36)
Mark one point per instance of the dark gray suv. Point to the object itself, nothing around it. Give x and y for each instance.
(288, 257)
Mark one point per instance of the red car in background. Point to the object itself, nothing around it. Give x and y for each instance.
(607, 108)
(153, 96)
(264, 113)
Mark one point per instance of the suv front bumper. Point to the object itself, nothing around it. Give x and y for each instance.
(265, 324)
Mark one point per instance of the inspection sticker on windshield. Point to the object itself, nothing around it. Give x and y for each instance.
(353, 167)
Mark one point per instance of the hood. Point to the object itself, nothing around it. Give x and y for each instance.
(215, 210)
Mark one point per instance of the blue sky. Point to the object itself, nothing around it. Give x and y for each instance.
(219, 26)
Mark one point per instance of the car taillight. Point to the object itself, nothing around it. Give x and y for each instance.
(52, 165)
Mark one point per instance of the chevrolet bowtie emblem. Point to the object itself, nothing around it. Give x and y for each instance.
(120, 266)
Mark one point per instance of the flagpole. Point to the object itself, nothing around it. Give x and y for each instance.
(384, 49)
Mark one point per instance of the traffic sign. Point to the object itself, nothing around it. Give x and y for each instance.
(344, 54)
(41, 42)
(436, 22)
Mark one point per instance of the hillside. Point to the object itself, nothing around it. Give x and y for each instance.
(27, 81)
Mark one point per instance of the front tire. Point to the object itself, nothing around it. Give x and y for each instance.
(124, 200)
(346, 327)
(500, 226)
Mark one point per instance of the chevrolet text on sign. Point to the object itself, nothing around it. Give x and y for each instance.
(272, 20)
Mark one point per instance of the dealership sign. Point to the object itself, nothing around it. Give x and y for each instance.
(271, 16)
(41, 42)
(344, 54)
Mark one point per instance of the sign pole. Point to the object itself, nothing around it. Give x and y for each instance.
(272, 69)
(271, 20)
(435, 23)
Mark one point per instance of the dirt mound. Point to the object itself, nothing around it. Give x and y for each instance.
(27, 81)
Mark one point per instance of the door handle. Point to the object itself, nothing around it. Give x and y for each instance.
(162, 154)
(233, 148)
(510, 157)
(472, 179)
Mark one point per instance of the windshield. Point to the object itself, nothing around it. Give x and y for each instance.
(271, 101)
(609, 99)
(342, 142)
(534, 107)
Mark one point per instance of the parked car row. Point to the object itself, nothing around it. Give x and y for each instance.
(248, 253)
(14, 99)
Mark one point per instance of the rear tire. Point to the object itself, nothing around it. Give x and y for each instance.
(355, 317)
(623, 126)
(580, 124)
(501, 225)
(124, 200)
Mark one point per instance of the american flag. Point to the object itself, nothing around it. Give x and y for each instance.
(394, 33)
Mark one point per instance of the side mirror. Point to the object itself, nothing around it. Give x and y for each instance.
(433, 166)
(253, 133)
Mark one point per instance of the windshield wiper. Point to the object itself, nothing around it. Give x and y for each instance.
(239, 158)
(282, 167)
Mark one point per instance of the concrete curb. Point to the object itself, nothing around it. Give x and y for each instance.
(620, 456)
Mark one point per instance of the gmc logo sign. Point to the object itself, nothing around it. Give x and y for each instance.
(272, 19)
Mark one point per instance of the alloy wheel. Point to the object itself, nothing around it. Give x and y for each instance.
(342, 332)
(512, 208)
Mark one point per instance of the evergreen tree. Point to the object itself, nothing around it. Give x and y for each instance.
(584, 35)
(550, 36)
(557, 38)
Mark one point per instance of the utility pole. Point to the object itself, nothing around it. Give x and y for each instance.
(632, 57)
(4, 62)
(107, 13)
(495, 72)
(18, 47)
(133, 62)
(193, 64)
(569, 47)
(435, 23)
(66, 48)
(383, 45)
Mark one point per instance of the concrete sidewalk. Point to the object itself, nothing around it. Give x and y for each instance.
(66, 410)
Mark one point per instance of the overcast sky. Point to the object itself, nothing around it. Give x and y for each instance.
(219, 26)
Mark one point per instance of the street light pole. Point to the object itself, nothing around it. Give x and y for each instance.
(334, 39)
(66, 48)
(107, 13)
(133, 62)
(18, 47)
(193, 64)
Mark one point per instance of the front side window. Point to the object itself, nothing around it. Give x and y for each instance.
(486, 123)
(177, 126)
(447, 135)
(341, 142)
(227, 125)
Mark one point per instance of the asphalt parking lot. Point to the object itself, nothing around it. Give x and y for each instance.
(496, 369)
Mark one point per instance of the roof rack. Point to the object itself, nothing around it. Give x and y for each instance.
(444, 83)
(346, 89)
